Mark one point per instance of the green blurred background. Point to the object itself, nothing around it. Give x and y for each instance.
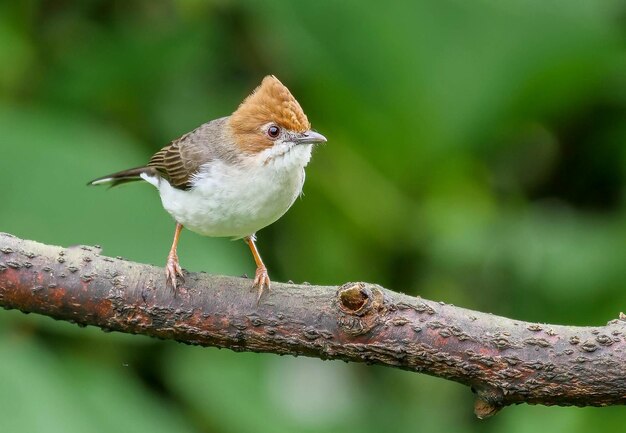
(476, 156)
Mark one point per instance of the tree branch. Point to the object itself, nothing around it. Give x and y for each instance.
(504, 361)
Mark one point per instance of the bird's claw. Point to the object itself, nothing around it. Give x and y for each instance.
(173, 271)
(261, 281)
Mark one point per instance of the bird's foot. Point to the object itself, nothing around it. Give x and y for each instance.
(261, 281)
(173, 271)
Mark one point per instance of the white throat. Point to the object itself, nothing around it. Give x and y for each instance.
(286, 156)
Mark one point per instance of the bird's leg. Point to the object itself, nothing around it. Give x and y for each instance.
(172, 268)
(261, 279)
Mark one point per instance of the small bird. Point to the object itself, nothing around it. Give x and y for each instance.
(234, 175)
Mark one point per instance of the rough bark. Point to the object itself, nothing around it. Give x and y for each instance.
(504, 361)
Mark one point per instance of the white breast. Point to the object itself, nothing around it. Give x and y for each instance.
(237, 200)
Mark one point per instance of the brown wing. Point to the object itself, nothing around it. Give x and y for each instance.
(182, 158)
(174, 164)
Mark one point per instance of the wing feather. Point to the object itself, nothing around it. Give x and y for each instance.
(180, 160)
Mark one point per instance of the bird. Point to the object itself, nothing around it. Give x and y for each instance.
(234, 175)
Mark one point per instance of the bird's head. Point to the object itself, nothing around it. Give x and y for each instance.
(271, 118)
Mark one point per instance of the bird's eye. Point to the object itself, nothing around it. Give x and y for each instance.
(273, 131)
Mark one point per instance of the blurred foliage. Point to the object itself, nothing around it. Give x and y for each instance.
(476, 155)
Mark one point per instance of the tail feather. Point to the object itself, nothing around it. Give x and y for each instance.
(125, 176)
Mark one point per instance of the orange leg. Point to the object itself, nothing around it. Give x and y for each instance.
(172, 268)
(261, 279)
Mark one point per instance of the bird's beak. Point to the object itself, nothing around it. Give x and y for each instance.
(310, 137)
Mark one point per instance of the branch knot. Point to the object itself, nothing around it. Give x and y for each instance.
(361, 307)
